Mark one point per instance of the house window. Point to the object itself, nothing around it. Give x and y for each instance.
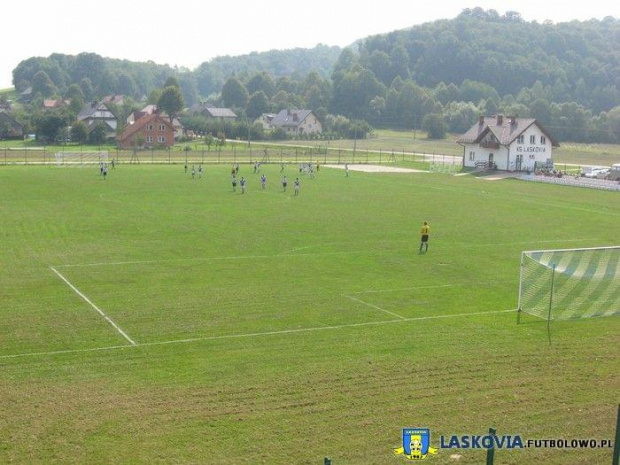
(161, 139)
(149, 138)
(520, 139)
(162, 127)
(543, 140)
(149, 127)
(472, 156)
(532, 139)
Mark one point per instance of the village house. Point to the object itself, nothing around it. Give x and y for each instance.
(10, 128)
(297, 122)
(50, 104)
(507, 143)
(152, 109)
(149, 131)
(96, 113)
(210, 112)
(265, 120)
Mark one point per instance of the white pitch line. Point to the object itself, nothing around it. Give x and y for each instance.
(88, 301)
(260, 334)
(355, 299)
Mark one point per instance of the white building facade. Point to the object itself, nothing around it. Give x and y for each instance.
(507, 143)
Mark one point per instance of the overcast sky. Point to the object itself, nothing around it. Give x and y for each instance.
(188, 32)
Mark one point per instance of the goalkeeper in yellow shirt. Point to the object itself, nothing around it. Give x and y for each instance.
(424, 239)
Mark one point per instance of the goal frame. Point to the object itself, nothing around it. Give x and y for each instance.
(77, 159)
(552, 269)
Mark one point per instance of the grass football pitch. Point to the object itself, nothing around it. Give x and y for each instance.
(156, 318)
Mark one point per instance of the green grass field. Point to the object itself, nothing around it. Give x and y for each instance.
(215, 327)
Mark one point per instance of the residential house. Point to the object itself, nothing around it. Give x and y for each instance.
(10, 128)
(152, 109)
(265, 120)
(26, 95)
(50, 104)
(297, 122)
(95, 113)
(148, 131)
(115, 99)
(211, 112)
(507, 143)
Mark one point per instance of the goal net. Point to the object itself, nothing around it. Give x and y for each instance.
(570, 283)
(78, 159)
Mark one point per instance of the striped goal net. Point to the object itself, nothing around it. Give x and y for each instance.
(570, 283)
(78, 159)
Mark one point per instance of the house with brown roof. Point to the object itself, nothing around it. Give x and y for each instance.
(149, 131)
(50, 104)
(151, 109)
(507, 143)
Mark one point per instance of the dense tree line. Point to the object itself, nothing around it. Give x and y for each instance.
(440, 75)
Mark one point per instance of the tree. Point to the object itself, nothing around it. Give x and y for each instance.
(87, 89)
(48, 126)
(98, 135)
(613, 124)
(433, 124)
(6, 130)
(171, 101)
(261, 82)
(172, 81)
(257, 105)
(154, 96)
(42, 84)
(79, 133)
(234, 93)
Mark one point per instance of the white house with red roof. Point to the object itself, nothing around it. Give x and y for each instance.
(507, 143)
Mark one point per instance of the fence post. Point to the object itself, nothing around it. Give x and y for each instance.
(617, 442)
(491, 451)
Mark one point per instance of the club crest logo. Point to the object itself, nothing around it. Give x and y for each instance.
(416, 444)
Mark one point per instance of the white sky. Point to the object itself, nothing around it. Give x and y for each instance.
(189, 32)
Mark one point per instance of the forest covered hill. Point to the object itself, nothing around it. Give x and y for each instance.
(566, 74)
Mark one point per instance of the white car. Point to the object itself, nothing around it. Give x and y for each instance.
(602, 174)
(592, 171)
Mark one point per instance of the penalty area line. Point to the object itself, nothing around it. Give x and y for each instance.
(368, 304)
(97, 309)
(258, 334)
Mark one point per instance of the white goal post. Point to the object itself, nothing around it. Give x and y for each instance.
(570, 283)
(77, 159)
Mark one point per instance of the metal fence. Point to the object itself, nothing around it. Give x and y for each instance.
(173, 155)
(575, 181)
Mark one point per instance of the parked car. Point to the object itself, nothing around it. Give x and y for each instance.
(601, 174)
(590, 171)
(614, 172)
